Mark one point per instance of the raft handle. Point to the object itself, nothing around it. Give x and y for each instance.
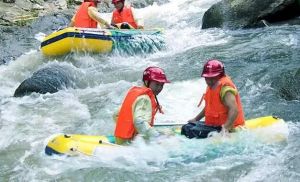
(67, 136)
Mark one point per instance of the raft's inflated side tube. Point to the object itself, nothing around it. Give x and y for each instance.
(84, 144)
(91, 40)
(200, 130)
(46, 80)
(77, 144)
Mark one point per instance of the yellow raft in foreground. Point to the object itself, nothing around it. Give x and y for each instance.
(92, 40)
(85, 144)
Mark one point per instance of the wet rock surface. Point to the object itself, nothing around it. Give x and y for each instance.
(234, 14)
(46, 80)
(16, 40)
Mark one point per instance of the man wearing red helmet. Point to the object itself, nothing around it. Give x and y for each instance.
(136, 115)
(223, 109)
(87, 16)
(124, 17)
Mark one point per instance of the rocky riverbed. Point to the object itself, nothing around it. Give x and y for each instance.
(19, 12)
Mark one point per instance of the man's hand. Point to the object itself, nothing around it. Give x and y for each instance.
(225, 132)
(140, 27)
(192, 120)
(108, 26)
(114, 25)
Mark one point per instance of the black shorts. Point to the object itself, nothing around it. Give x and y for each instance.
(198, 130)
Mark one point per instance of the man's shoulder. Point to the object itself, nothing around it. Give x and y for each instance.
(227, 89)
(143, 97)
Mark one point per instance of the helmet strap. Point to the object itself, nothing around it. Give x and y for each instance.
(146, 83)
(159, 108)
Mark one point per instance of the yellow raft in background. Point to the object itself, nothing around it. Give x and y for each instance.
(86, 144)
(91, 40)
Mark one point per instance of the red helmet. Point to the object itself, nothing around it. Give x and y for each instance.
(154, 73)
(213, 68)
(116, 1)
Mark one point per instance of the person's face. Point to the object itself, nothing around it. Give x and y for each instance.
(156, 87)
(211, 82)
(119, 5)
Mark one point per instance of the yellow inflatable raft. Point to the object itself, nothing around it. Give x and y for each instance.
(91, 40)
(85, 144)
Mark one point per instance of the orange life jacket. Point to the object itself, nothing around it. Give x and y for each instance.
(125, 127)
(216, 112)
(82, 18)
(124, 16)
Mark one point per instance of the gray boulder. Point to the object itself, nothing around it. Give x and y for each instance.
(235, 14)
(46, 80)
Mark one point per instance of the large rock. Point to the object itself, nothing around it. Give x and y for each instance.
(46, 80)
(235, 14)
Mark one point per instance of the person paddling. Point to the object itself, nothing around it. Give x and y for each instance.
(223, 109)
(87, 16)
(138, 110)
(125, 17)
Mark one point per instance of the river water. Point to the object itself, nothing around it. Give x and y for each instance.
(260, 61)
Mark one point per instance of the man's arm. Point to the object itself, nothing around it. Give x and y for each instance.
(71, 24)
(198, 117)
(95, 15)
(230, 102)
(138, 19)
(142, 114)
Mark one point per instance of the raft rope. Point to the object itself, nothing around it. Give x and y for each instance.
(73, 150)
(159, 108)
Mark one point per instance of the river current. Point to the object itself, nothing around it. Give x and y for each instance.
(260, 61)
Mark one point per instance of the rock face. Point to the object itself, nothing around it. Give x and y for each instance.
(13, 37)
(46, 80)
(235, 14)
(20, 12)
